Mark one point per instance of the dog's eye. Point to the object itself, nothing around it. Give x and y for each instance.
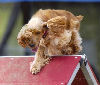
(29, 40)
(37, 33)
(24, 41)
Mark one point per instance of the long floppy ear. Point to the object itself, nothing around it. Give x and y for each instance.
(57, 24)
(75, 22)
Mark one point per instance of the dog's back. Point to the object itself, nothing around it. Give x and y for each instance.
(47, 14)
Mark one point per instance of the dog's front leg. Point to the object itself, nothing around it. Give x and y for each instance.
(40, 60)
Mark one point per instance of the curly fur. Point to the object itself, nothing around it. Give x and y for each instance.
(62, 36)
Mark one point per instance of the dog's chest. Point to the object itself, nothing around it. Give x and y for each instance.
(55, 46)
(57, 43)
(62, 40)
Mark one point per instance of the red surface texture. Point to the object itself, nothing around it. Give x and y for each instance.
(93, 74)
(80, 79)
(15, 71)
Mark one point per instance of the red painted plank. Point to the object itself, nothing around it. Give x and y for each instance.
(15, 71)
(93, 74)
(80, 79)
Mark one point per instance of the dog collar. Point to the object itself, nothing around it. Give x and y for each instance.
(34, 50)
(45, 34)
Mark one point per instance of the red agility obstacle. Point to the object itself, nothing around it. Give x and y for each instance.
(62, 70)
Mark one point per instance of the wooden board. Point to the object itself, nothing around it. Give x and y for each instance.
(15, 71)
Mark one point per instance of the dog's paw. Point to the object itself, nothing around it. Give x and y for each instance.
(47, 60)
(35, 66)
(34, 69)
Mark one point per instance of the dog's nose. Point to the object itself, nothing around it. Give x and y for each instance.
(31, 45)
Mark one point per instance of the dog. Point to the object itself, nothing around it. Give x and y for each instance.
(51, 32)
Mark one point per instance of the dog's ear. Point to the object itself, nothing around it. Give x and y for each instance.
(57, 24)
(21, 41)
(75, 22)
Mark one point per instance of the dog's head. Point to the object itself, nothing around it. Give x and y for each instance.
(31, 33)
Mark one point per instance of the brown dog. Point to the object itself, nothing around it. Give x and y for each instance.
(51, 32)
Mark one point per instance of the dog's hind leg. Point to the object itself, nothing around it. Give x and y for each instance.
(40, 60)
